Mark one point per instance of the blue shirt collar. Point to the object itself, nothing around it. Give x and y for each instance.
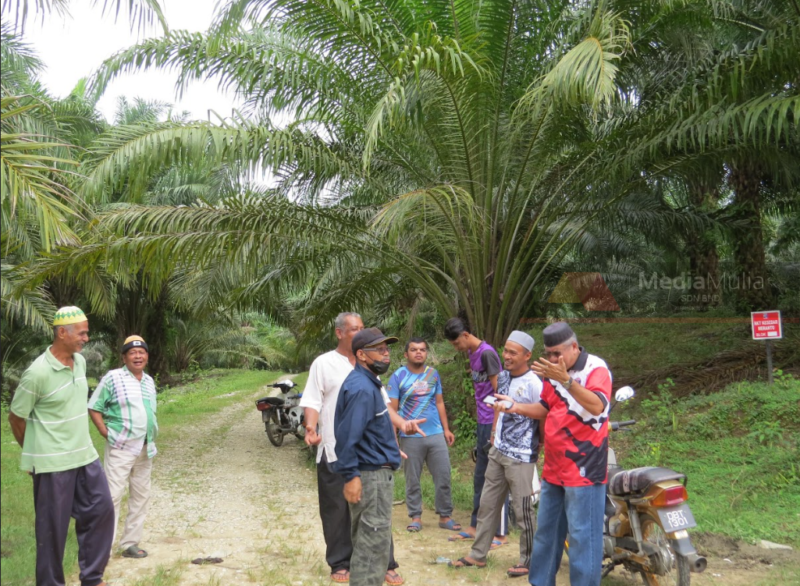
(369, 374)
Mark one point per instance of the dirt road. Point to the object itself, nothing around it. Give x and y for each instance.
(224, 491)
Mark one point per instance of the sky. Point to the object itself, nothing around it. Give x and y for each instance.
(73, 46)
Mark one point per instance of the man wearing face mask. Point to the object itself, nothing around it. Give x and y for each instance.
(367, 455)
(325, 379)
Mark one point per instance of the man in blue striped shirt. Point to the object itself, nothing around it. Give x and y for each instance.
(415, 391)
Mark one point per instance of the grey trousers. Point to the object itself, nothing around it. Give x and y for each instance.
(431, 450)
(81, 493)
(371, 528)
(504, 474)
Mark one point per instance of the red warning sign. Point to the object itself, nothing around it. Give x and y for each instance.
(766, 325)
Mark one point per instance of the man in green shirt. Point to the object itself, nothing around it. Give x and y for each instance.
(49, 419)
(123, 408)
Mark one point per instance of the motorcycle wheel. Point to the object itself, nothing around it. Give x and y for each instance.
(653, 533)
(274, 433)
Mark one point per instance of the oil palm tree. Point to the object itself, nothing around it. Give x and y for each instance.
(39, 160)
(142, 13)
(453, 149)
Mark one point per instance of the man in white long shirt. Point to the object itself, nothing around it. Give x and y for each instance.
(325, 378)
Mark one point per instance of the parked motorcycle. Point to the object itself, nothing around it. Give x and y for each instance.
(282, 415)
(647, 520)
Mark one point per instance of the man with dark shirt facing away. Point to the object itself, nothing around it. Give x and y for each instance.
(484, 366)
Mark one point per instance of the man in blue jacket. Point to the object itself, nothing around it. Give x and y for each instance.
(367, 455)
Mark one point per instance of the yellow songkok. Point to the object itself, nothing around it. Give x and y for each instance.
(69, 315)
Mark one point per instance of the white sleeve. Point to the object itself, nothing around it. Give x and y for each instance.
(312, 394)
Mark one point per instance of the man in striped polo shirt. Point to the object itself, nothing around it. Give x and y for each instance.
(49, 420)
(123, 407)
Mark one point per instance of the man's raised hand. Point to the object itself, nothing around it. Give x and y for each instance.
(411, 427)
(557, 371)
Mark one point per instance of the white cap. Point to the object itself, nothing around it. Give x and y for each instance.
(521, 338)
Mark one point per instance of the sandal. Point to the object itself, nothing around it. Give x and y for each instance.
(414, 527)
(341, 576)
(451, 525)
(496, 543)
(461, 536)
(517, 571)
(134, 552)
(463, 563)
(393, 578)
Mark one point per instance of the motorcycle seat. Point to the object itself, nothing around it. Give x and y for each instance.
(613, 471)
(276, 401)
(639, 480)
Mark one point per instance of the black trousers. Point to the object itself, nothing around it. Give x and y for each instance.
(81, 493)
(335, 515)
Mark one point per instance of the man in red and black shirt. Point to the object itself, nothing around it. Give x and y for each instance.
(575, 405)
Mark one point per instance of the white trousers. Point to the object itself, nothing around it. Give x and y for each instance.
(128, 469)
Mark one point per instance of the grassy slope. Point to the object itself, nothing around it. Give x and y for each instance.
(176, 408)
(739, 448)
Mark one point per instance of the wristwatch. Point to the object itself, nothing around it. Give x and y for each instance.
(568, 384)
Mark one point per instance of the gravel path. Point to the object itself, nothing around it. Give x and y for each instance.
(213, 497)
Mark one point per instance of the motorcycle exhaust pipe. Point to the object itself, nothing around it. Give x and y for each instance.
(697, 563)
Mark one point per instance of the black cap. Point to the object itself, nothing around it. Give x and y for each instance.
(556, 334)
(370, 337)
(133, 342)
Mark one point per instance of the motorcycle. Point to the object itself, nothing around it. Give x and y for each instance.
(282, 415)
(647, 519)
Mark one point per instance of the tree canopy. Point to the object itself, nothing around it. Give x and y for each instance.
(446, 153)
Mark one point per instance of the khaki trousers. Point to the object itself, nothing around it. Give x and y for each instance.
(123, 469)
(504, 475)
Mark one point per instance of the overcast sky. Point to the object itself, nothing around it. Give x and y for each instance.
(74, 46)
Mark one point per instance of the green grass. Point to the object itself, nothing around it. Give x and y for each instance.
(210, 394)
(460, 489)
(301, 380)
(177, 407)
(631, 348)
(739, 448)
(782, 577)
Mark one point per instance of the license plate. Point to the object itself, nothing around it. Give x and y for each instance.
(265, 416)
(676, 518)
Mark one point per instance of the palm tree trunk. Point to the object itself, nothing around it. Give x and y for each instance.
(157, 336)
(702, 247)
(753, 290)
